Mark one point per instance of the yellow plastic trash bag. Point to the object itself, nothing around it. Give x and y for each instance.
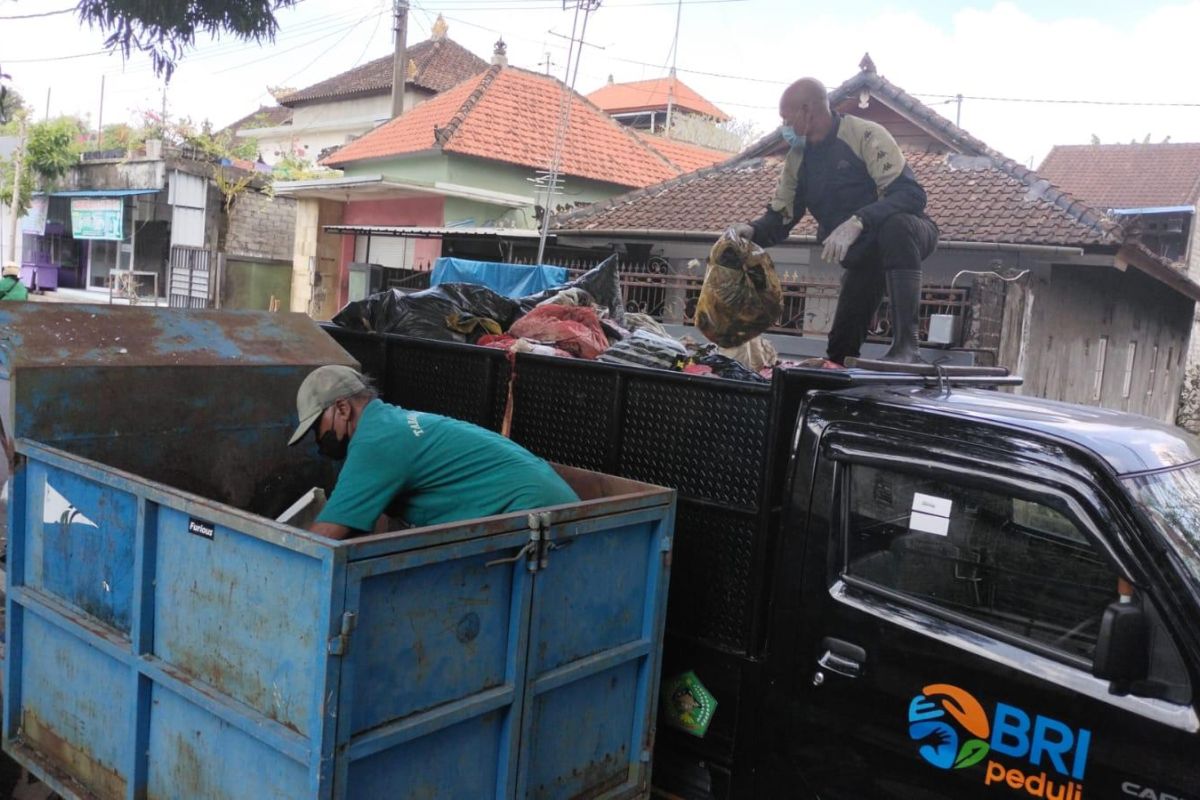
(741, 296)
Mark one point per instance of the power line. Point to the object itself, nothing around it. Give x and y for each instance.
(1058, 101)
(442, 5)
(54, 58)
(38, 16)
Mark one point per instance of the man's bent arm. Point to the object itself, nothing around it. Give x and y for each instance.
(330, 530)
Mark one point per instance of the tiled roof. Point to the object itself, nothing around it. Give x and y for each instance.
(440, 64)
(622, 98)
(510, 115)
(1127, 175)
(688, 157)
(975, 194)
(265, 117)
(971, 198)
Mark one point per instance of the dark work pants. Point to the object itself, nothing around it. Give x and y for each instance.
(903, 242)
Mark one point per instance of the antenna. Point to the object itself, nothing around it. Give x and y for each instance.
(550, 181)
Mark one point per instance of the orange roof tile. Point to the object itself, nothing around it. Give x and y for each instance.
(510, 115)
(622, 98)
(688, 157)
(1127, 175)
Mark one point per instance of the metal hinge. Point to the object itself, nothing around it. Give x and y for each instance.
(340, 645)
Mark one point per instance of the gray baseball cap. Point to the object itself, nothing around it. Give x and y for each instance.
(323, 387)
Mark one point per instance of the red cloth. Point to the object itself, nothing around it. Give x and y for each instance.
(500, 341)
(698, 369)
(575, 329)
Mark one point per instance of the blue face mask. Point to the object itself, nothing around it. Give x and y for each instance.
(790, 136)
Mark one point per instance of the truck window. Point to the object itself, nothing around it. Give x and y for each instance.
(1016, 565)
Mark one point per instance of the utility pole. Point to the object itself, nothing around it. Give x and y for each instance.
(18, 162)
(400, 59)
(671, 79)
(100, 118)
(958, 113)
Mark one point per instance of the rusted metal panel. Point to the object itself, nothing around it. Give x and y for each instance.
(511, 656)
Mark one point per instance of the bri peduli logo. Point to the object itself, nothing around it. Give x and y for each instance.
(954, 731)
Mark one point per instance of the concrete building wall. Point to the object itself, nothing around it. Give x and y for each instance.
(261, 226)
(315, 259)
(317, 126)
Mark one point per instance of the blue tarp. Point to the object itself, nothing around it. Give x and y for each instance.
(510, 280)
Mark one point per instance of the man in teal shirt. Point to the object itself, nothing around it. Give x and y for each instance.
(430, 468)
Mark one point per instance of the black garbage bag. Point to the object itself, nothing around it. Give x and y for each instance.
(602, 283)
(430, 314)
(726, 367)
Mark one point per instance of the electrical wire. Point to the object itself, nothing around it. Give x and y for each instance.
(39, 16)
(1142, 103)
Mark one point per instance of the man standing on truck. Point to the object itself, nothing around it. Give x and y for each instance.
(426, 468)
(870, 211)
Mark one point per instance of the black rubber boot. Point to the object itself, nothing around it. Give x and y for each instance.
(904, 303)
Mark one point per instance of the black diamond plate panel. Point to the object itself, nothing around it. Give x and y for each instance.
(705, 441)
(367, 350)
(711, 594)
(563, 412)
(448, 381)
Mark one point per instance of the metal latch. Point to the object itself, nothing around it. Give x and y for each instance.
(340, 645)
(537, 550)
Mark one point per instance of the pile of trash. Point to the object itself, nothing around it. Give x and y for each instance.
(585, 318)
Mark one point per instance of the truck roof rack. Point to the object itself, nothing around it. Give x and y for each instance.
(865, 372)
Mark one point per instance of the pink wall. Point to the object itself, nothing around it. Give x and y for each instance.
(427, 211)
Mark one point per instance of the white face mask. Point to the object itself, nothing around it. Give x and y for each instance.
(790, 136)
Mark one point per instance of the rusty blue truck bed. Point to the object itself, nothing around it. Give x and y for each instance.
(165, 642)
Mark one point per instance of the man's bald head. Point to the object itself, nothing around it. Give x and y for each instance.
(804, 93)
(805, 107)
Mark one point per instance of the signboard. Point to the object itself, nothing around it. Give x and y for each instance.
(97, 217)
(34, 220)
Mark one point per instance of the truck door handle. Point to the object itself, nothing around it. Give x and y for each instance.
(841, 658)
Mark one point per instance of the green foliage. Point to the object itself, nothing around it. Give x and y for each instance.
(53, 147)
(164, 30)
(119, 136)
(6, 186)
(295, 167)
(12, 105)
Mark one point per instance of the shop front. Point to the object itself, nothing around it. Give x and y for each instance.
(97, 239)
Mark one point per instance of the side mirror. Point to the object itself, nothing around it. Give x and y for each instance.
(1122, 648)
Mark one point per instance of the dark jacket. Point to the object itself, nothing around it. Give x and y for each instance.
(857, 170)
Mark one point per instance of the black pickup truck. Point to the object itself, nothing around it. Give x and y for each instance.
(894, 586)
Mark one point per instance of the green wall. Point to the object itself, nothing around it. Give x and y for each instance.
(250, 284)
(481, 173)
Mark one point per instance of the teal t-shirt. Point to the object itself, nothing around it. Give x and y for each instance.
(435, 469)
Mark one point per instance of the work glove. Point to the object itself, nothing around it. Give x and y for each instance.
(837, 244)
(743, 229)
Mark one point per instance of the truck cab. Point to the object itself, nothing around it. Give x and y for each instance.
(979, 594)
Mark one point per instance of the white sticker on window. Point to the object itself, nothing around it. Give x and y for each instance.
(930, 514)
(928, 504)
(928, 523)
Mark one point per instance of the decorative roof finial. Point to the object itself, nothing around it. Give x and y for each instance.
(500, 54)
(867, 65)
(439, 28)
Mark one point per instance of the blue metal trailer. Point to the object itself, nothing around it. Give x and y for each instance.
(170, 642)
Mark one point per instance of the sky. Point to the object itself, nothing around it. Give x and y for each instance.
(737, 53)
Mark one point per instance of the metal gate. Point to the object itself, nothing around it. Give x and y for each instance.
(192, 280)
